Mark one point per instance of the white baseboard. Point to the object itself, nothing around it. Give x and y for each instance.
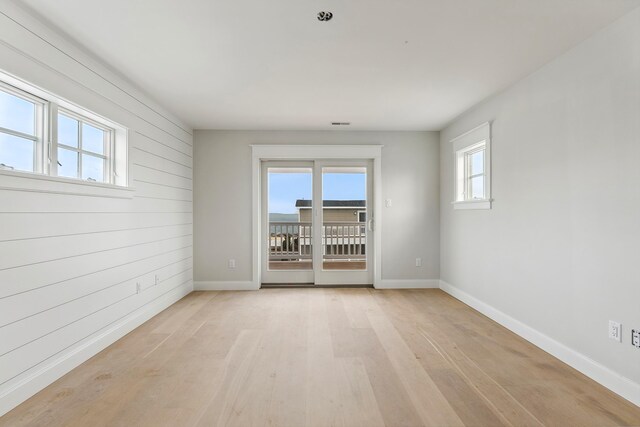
(229, 285)
(594, 370)
(249, 285)
(58, 367)
(408, 284)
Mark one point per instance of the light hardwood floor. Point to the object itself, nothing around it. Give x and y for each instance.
(323, 357)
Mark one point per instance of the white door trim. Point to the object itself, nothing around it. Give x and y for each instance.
(343, 277)
(260, 152)
(284, 276)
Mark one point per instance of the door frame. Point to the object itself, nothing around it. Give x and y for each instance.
(324, 277)
(283, 152)
(284, 276)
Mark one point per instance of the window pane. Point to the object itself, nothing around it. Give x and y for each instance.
(344, 193)
(92, 168)
(17, 114)
(67, 131)
(477, 187)
(92, 139)
(68, 163)
(290, 235)
(17, 153)
(477, 162)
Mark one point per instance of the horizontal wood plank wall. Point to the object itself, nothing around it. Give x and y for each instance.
(70, 264)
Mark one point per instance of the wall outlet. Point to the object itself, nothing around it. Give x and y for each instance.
(138, 288)
(387, 203)
(418, 262)
(615, 331)
(635, 337)
(157, 280)
(232, 264)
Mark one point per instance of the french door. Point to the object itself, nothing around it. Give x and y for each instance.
(317, 222)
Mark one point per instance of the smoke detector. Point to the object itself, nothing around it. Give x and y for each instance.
(325, 16)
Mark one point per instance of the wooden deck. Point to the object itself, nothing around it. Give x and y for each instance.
(307, 265)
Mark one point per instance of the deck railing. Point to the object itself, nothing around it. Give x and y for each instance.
(291, 241)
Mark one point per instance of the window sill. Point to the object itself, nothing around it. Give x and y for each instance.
(33, 182)
(473, 204)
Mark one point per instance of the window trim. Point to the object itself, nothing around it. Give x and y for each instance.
(39, 183)
(108, 146)
(473, 141)
(44, 178)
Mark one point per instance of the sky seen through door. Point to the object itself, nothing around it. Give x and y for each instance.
(286, 188)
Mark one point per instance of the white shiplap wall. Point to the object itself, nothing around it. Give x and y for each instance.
(69, 264)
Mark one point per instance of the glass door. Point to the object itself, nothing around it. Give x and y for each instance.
(344, 223)
(287, 203)
(304, 241)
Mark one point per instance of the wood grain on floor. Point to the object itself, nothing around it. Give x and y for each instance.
(323, 357)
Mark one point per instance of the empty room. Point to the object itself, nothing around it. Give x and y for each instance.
(320, 213)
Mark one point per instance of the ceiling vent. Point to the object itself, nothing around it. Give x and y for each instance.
(325, 16)
(340, 123)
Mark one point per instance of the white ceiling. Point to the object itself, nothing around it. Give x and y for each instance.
(382, 65)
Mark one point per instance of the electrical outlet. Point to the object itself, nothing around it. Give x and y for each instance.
(157, 279)
(138, 288)
(418, 262)
(615, 331)
(388, 203)
(232, 264)
(635, 337)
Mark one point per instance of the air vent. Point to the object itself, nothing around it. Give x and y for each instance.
(340, 123)
(325, 16)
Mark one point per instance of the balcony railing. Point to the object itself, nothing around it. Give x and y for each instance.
(292, 241)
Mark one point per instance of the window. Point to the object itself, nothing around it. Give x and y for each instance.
(21, 130)
(472, 169)
(83, 148)
(42, 134)
(473, 165)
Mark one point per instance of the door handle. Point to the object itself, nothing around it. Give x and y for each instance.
(370, 225)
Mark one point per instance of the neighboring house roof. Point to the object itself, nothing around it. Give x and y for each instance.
(334, 203)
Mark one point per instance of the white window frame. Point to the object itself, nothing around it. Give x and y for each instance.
(108, 146)
(45, 177)
(476, 140)
(40, 127)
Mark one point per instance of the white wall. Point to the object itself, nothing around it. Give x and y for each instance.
(559, 250)
(69, 264)
(223, 205)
